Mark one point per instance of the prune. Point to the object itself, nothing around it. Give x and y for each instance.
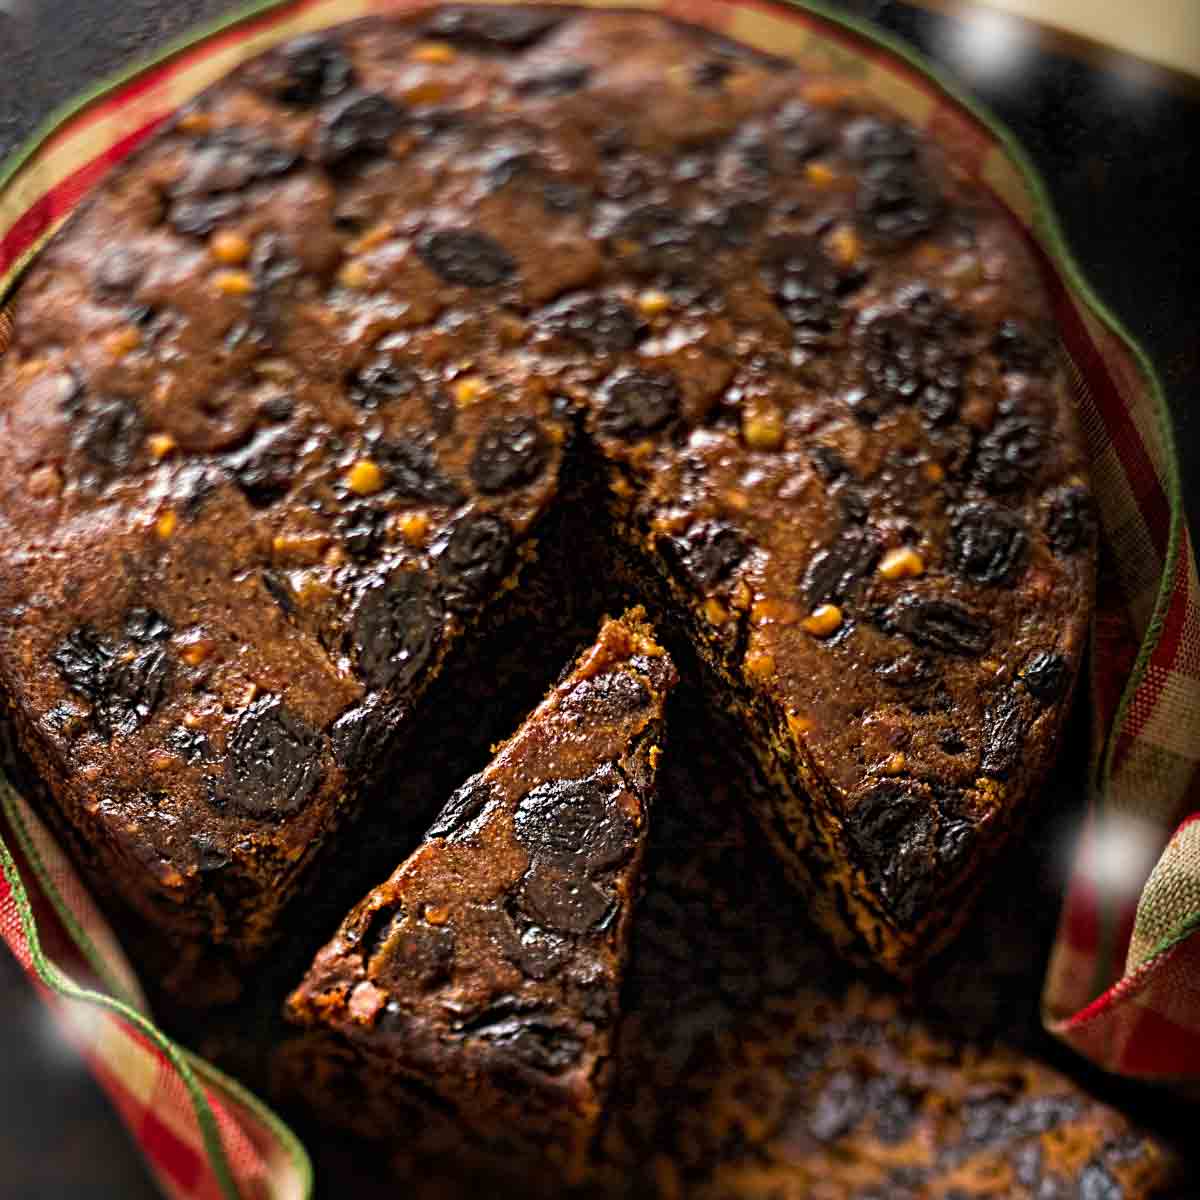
(272, 761)
(1097, 1183)
(412, 470)
(707, 554)
(943, 625)
(574, 821)
(109, 432)
(1009, 455)
(311, 69)
(466, 258)
(988, 544)
(1003, 734)
(354, 123)
(897, 201)
(711, 73)
(1070, 520)
(871, 140)
(381, 382)
(363, 735)
(470, 802)
(632, 404)
(601, 324)
(512, 451)
(475, 557)
(397, 629)
(562, 900)
(803, 132)
(400, 950)
(835, 572)
(491, 27)
(265, 466)
(561, 80)
(124, 685)
(804, 285)
(839, 1108)
(1019, 348)
(1046, 676)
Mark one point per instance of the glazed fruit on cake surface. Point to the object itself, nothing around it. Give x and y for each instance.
(291, 396)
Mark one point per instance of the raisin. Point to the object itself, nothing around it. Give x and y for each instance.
(1003, 734)
(1070, 520)
(852, 503)
(273, 271)
(512, 452)
(892, 831)
(656, 242)
(894, 1108)
(118, 272)
(229, 161)
(988, 544)
(401, 952)
(1045, 675)
(109, 432)
(209, 855)
(897, 201)
(600, 324)
(804, 285)
(1097, 1183)
(561, 900)
(199, 217)
(827, 462)
(561, 80)
(363, 735)
(511, 162)
(835, 572)
(736, 224)
(355, 123)
(144, 625)
(707, 555)
(996, 1118)
(632, 404)
(311, 69)
(397, 629)
(493, 28)
(457, 820)
(710, 74)
(943, 625)
(466, 258)
(804, 132)
(839, 1108)
(575, 821)
(546, 1046)
(1019, 348)
(871, 140)
(1010, 454)
(539, 953)
(606, 697)
(192, 745)
(411, 468)
(272, 762)
(381, 382)
(908, 674)
(265, 466)
(475, 557)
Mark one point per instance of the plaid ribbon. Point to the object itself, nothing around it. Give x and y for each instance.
(1123, 985)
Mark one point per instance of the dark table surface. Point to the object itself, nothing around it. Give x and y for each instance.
(1119, 149)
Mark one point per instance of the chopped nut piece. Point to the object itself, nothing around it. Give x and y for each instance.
(651, 303)
(760, 666)
(901, 563)
(229, 247)
(354, 275)
(375, 236)
(741, 598)
(45, 481)
(896, 764)
(818, 174)
(469, 390)
(434, 52)
(165, 525)
(299, 547)
(436, 914)
(432, 91)
(195, 123)
(122, 341)
(845, 246)
(762, 427)
(364, 478)
(774, 612)
(233, 283)
(161, 760)
(800, 725)
(827, 92)
(933, 472)
(160, 444)
(195, 652)
(414, 527)
(715, 611)
(824, 620)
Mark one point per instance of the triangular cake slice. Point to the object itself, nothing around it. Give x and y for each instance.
(487, 968)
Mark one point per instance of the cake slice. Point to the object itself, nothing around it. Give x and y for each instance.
(487, 968)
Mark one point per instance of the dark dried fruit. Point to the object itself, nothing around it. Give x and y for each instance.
(1010, 454)
(736, 224)
(561, 80)
(381, 382)
(910, 673)
(1003, 734)
(601, 324)
(123, 684)
(897, 201)
(363, 736)
(804, 285)
(711, 73)
(827, 462)
(118, 271)
(707, 554)
(561, 899)
(144, 625)
(512, 451)
(574, 821)
(893, 1108)
(658, 243)
(839, 1108)
(996, 1118)
(265, 466)
(1097, 1183)
(804, 132)
(1045, 675)
(109, 432)
(412, 470)
(475, 557)
(544, 1045)
(492, 27)
(871, 140)
(272, 761)
(538, 952)
(355, 123)
(209, 855)
(192, 745)
(199, 217)
(466, 258)
(988, 544)
(606, 697)
(943, 625)
(835, 572)
(1020, 348)
(1070, 520)
(397, 628)
(402, 952)
(273, 269)
(311, 69)
(632, 404)
(229, 161)
(457, 819)
(893, 833)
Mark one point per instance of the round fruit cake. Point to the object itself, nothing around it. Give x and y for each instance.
(292, 397)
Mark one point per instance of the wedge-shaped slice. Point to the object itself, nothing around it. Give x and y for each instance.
(487, 968)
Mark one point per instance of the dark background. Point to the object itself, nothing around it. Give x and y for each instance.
(1117, 141)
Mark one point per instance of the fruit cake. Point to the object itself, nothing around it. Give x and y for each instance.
(488, 966)
(289, 397)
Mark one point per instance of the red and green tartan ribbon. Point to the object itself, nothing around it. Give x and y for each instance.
(1123, 985)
